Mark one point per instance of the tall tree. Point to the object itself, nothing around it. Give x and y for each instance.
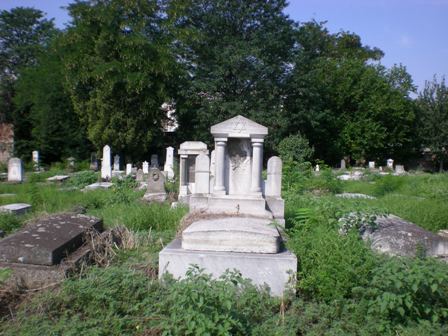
(118, 69)
(433, 118)
(236, 57)
(23, 34)
(56, 130)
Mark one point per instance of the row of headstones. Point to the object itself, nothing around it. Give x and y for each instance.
(107, 172)
(372, 165)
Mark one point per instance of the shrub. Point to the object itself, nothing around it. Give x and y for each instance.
(9, 222)
(387, 184)
(295, 148)
(83, 178)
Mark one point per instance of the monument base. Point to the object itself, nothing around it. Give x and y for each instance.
(154, 197)
(278, 271)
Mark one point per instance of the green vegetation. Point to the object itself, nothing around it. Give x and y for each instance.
(343, 287)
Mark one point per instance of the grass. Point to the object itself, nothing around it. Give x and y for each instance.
(343, 289)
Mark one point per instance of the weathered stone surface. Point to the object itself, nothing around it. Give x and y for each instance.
(395, 236)
(48, 240)
(354, 195)
(154, 161)
(275, 270)
(58, 178)
(238, 127)
(98, 185)
(16, 208)
(202, 174)
(233, 234)
(156, 186)
(15, 170)
(139, 176)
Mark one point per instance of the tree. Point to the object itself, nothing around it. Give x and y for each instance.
(432, 114)
(55, 128)
(118, 70)
(236, 56)
(343, 101)
(23, 34)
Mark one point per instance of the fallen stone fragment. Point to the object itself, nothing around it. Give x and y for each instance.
(58, 178)
(98, 185)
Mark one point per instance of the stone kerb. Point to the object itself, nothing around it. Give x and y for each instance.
(202, 174)
(274, 181)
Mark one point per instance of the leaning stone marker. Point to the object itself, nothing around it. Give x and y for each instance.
(48, 240)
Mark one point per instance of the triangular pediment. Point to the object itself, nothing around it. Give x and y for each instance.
(239, 127)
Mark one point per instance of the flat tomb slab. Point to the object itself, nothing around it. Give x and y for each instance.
(16, 208)
(233, 234)
(278, 271)
(48, 240)
(98, 185)
(58, 178)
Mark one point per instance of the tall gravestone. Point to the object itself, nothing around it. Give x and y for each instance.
(390, 163)
(169, 163)
(106, 169)
(343, 164)
(35, 157)
(128, 168)
(15, 170)
(145, 167)
(154, 161)
(116, 162)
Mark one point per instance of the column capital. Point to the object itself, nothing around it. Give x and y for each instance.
(257, 140)
(220, 139)
(184, 156)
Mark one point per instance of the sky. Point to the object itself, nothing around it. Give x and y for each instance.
(411, 32)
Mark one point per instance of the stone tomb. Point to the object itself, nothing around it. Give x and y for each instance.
(233, 221)
(188, 152)
(47, 241)
(156, 186)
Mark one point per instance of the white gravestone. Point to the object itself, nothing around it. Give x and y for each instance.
(15, 170)
(390, 164)
(343, 166)
(128, 168)
(317, 168)
(117, 162)
(145, 167)
(274, 180)
(169, 163)
(202, 174)
(399, 170)
(106, 169)
(35, 156)
(371, 164)
(154, 161)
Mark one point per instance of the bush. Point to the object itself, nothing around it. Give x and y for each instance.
(387, 184)
(295, 148)
(83, 178)
(9, 222)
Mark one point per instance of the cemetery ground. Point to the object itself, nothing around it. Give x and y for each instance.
(343, 287)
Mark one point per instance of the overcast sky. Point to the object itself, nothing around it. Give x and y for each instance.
(411, 32)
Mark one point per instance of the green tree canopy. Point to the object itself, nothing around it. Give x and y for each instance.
(118, 70)
(432, 114)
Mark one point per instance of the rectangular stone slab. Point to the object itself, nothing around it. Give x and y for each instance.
(16, 208)
(48, 240)
(275, 270)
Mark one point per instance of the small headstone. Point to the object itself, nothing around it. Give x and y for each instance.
(169, 163)
(128, 169)
(15, 170)
(71, 163)
(273, 186)
(343, 164)
(35, 156)
(390, 163)
(139, 177)
(16, 208)
(399, 170)
(145, 167)
(117, 162)
(317, 169)
(48, 240)
(154, 161)
(156, 186)
(371, 164)
(93, 162)
(106, 169)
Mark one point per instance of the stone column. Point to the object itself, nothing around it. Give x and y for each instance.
(257, 165)
(183, 188)
(220, 157)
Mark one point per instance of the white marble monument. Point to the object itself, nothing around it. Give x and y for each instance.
(188, 151)
(234, 228)
(390, 164)
(128, 169)
(169, 163)
(371, 164)
(35, 157)
(106, 169)
(145, 167)
(15, 170)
